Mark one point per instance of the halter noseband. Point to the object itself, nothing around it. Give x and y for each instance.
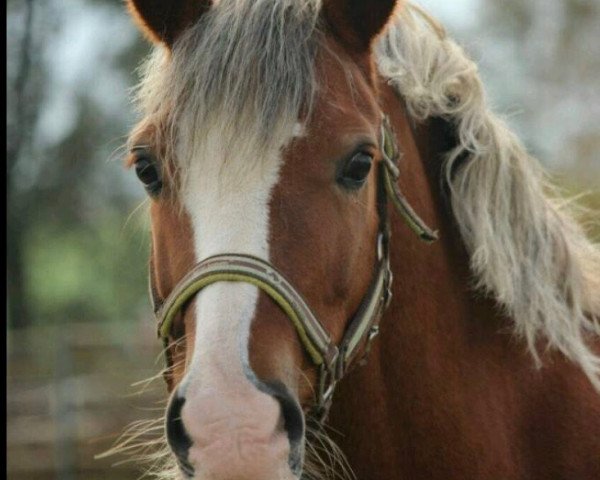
(332, 360)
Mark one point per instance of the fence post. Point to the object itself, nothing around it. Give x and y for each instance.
(66, 403)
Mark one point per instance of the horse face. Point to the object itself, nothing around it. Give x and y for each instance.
(240, 378)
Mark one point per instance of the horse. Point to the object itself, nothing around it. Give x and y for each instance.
(350, 248)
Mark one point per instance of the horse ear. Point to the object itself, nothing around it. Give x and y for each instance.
(164, 20)
(358, 22)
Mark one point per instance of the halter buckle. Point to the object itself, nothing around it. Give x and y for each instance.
(388, 288)
(383, 255)
(327, 384)
(389, 149)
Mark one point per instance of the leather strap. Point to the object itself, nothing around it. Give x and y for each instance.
(391, 157)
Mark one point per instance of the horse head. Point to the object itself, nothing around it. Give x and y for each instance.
(275, 143)
(265, 153)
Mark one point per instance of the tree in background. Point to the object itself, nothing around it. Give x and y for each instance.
(71, 254)
(21, 113)
(545, 57)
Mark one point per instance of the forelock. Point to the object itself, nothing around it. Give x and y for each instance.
(246, 69)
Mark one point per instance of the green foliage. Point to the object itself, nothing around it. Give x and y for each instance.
(587, 203)
(71, 257)
(87, 274)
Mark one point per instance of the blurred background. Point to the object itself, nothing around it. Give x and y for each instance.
(80, 334)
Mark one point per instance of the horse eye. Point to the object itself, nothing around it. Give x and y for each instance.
(148, 173)
(355, 171)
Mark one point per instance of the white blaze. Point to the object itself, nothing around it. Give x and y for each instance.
(227, 200)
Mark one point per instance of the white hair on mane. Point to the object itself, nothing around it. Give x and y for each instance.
(526, 250)
(244, 70)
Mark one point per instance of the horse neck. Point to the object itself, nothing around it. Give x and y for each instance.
(419, 355)
(433, 310)
(446, 385)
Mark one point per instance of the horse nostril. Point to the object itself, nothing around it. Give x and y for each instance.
(177, 437)
(293, 419)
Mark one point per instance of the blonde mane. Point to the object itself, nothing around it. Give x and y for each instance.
(526, 249)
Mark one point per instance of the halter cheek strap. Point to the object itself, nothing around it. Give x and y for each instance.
(390, 159)
(332, 360)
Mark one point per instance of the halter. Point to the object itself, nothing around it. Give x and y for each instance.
(331, 360)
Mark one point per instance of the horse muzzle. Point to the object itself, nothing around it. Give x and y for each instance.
(255, 432)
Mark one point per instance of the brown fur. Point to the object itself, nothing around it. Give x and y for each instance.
(296, 231)
(448, 392)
